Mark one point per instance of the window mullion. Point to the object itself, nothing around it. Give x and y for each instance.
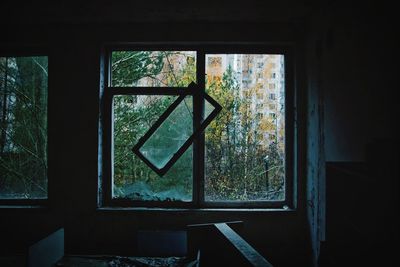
(198, 145)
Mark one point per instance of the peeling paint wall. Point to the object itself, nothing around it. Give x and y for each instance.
(315, 140)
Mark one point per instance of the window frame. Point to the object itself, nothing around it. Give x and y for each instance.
(31, 51)
(198, 201)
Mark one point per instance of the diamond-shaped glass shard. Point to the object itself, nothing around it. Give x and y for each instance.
(173, 133)
(170, 135)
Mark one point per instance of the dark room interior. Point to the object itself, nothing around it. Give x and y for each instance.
(341, 161)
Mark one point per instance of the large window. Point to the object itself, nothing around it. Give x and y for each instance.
(193, 127)
(23, 128)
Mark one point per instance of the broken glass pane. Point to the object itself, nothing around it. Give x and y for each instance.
(245, 144)
(153, 68)
(133, 179)
(170, 135)
(23, 127)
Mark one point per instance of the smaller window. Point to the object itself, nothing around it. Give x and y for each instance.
(23, 127)
(272, 96)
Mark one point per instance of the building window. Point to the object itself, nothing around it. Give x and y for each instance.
(23, 128)
(272, 96)
(155, 104)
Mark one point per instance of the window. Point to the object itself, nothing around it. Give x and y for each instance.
(166, 143)
(23, 128)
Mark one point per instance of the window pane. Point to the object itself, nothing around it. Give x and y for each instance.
(245, 148)
(153, 68)
(23, 127)
(133, 117)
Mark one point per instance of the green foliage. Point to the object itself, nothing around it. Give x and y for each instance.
(152, 68)
(130, 66)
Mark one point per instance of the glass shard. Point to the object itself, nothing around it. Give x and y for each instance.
(170, 135)
(173, 133)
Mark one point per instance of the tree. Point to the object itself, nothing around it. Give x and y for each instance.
(236, 149)
(23, 121)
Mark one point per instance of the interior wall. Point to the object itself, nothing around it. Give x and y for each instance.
(73, 36)
(315, 137)
(358, 72)
(351, 64)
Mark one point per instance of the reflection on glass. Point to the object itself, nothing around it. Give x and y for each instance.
(153, 68)
(170, 135)
(245, 144)
(133, 179)
(208, 109)
(23, 127)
